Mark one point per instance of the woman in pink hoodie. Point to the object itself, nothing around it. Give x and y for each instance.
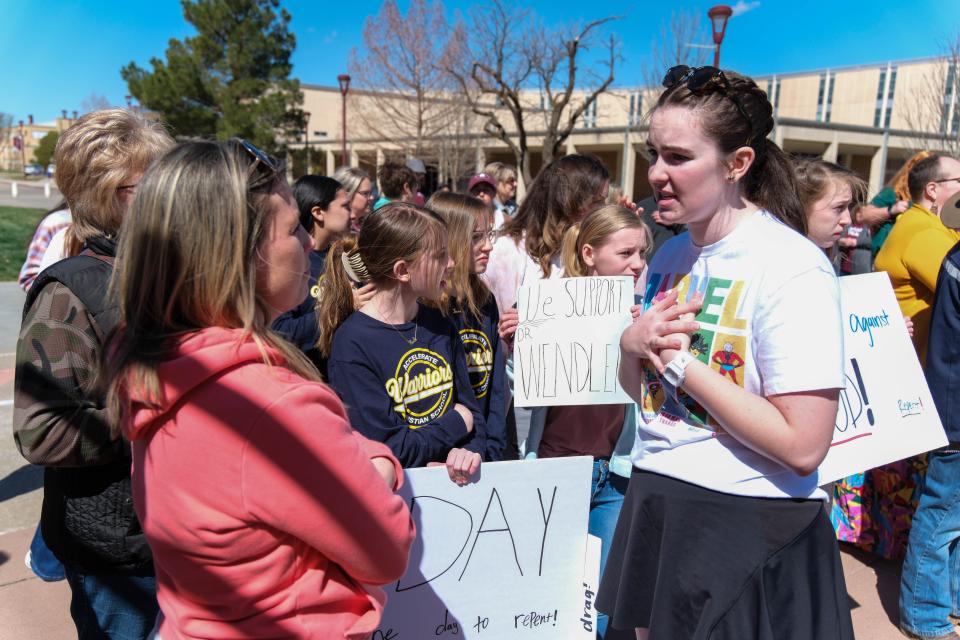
(267, 514)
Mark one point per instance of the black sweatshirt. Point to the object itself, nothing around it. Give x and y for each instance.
(487, 369)
(403, 394)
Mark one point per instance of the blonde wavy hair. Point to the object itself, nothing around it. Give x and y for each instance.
(595, 230)
(100, 153)
(188, 259)
(461, 213)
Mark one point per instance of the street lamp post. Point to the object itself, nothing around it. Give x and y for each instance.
(306, 136)
(719, 15)
(23, 149)
(344, 81)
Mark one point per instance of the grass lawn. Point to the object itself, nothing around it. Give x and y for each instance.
(16, 229)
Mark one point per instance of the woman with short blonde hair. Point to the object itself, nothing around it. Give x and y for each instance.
(60, 418)
(99, 162)
(359, 188)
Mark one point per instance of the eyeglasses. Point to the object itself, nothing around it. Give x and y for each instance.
(273, 167)
(482, 237)
(366, 194)
(699, 78)
(947, 179)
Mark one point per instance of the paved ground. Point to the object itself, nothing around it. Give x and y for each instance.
(30, 608)
(31, 194)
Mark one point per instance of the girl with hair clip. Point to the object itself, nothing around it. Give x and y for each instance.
(611, 241)
(324, 207)
(724, 532)
(268, 516)
(471, 306)
(399, 365)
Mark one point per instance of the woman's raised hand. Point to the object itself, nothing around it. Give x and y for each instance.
(363, 295)
(656, 327)
(508, 326)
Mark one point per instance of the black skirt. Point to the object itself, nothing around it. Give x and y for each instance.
(694, 564)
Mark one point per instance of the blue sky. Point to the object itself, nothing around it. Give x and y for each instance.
(57, 53)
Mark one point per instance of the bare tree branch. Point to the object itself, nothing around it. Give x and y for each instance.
(507, 56)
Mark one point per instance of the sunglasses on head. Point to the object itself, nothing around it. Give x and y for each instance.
(267, 167)
(697, 79)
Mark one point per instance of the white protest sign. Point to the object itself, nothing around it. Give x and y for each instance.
(886, 412)
(502, 557)
(567, 346)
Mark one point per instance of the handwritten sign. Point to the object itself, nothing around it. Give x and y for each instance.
(886, 412)
(567, 346)
(503, 557)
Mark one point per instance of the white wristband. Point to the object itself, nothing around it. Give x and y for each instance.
(675, 371)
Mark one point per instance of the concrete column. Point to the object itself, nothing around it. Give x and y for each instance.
(14, 189)
(331, 162)
(571, 148)
(777, 134)
(830, 155)
(628, 166)
(878, 166)
(481, 158)
(381, 158)
(354, 157)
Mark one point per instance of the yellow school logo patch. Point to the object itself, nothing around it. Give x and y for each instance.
(479, 360)
(421, 387)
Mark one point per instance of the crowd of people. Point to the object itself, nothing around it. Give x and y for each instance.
(224, 376)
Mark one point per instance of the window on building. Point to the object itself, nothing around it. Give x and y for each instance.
(773, 93)
(886, 86)
(636, 108)
(821, 93)
(825, 96)
(890, 91)
(946, 108)
(590, 116)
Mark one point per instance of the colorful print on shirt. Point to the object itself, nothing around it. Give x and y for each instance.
(479, 352)
(421, 387)
(721, 343)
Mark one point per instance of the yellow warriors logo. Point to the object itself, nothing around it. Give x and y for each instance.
(479, 360)
(421, 387)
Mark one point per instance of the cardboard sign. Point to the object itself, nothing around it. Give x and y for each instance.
(503, 557)
(886, 412)
(567, 346)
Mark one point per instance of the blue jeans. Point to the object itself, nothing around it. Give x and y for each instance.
(931, 571)
(606, 498)
(42, 561)
(112, 606)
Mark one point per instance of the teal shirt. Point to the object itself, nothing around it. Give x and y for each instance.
(886, 198)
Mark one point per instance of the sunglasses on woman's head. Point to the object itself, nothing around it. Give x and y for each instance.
(697, 79)
(271, 168)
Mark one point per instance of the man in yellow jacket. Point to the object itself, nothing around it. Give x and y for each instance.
(916, 246)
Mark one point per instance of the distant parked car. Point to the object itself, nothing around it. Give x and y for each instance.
(34, 169)
(51, 170)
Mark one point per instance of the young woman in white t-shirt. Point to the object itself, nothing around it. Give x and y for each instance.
(724, 532)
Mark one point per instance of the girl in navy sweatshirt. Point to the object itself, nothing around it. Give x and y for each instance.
(398, 365)
(473, 309)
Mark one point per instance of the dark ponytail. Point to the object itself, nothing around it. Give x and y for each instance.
(770, 182)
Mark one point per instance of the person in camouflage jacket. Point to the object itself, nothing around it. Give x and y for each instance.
(60, 416)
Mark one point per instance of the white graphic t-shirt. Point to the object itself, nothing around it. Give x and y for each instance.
(770, 323)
